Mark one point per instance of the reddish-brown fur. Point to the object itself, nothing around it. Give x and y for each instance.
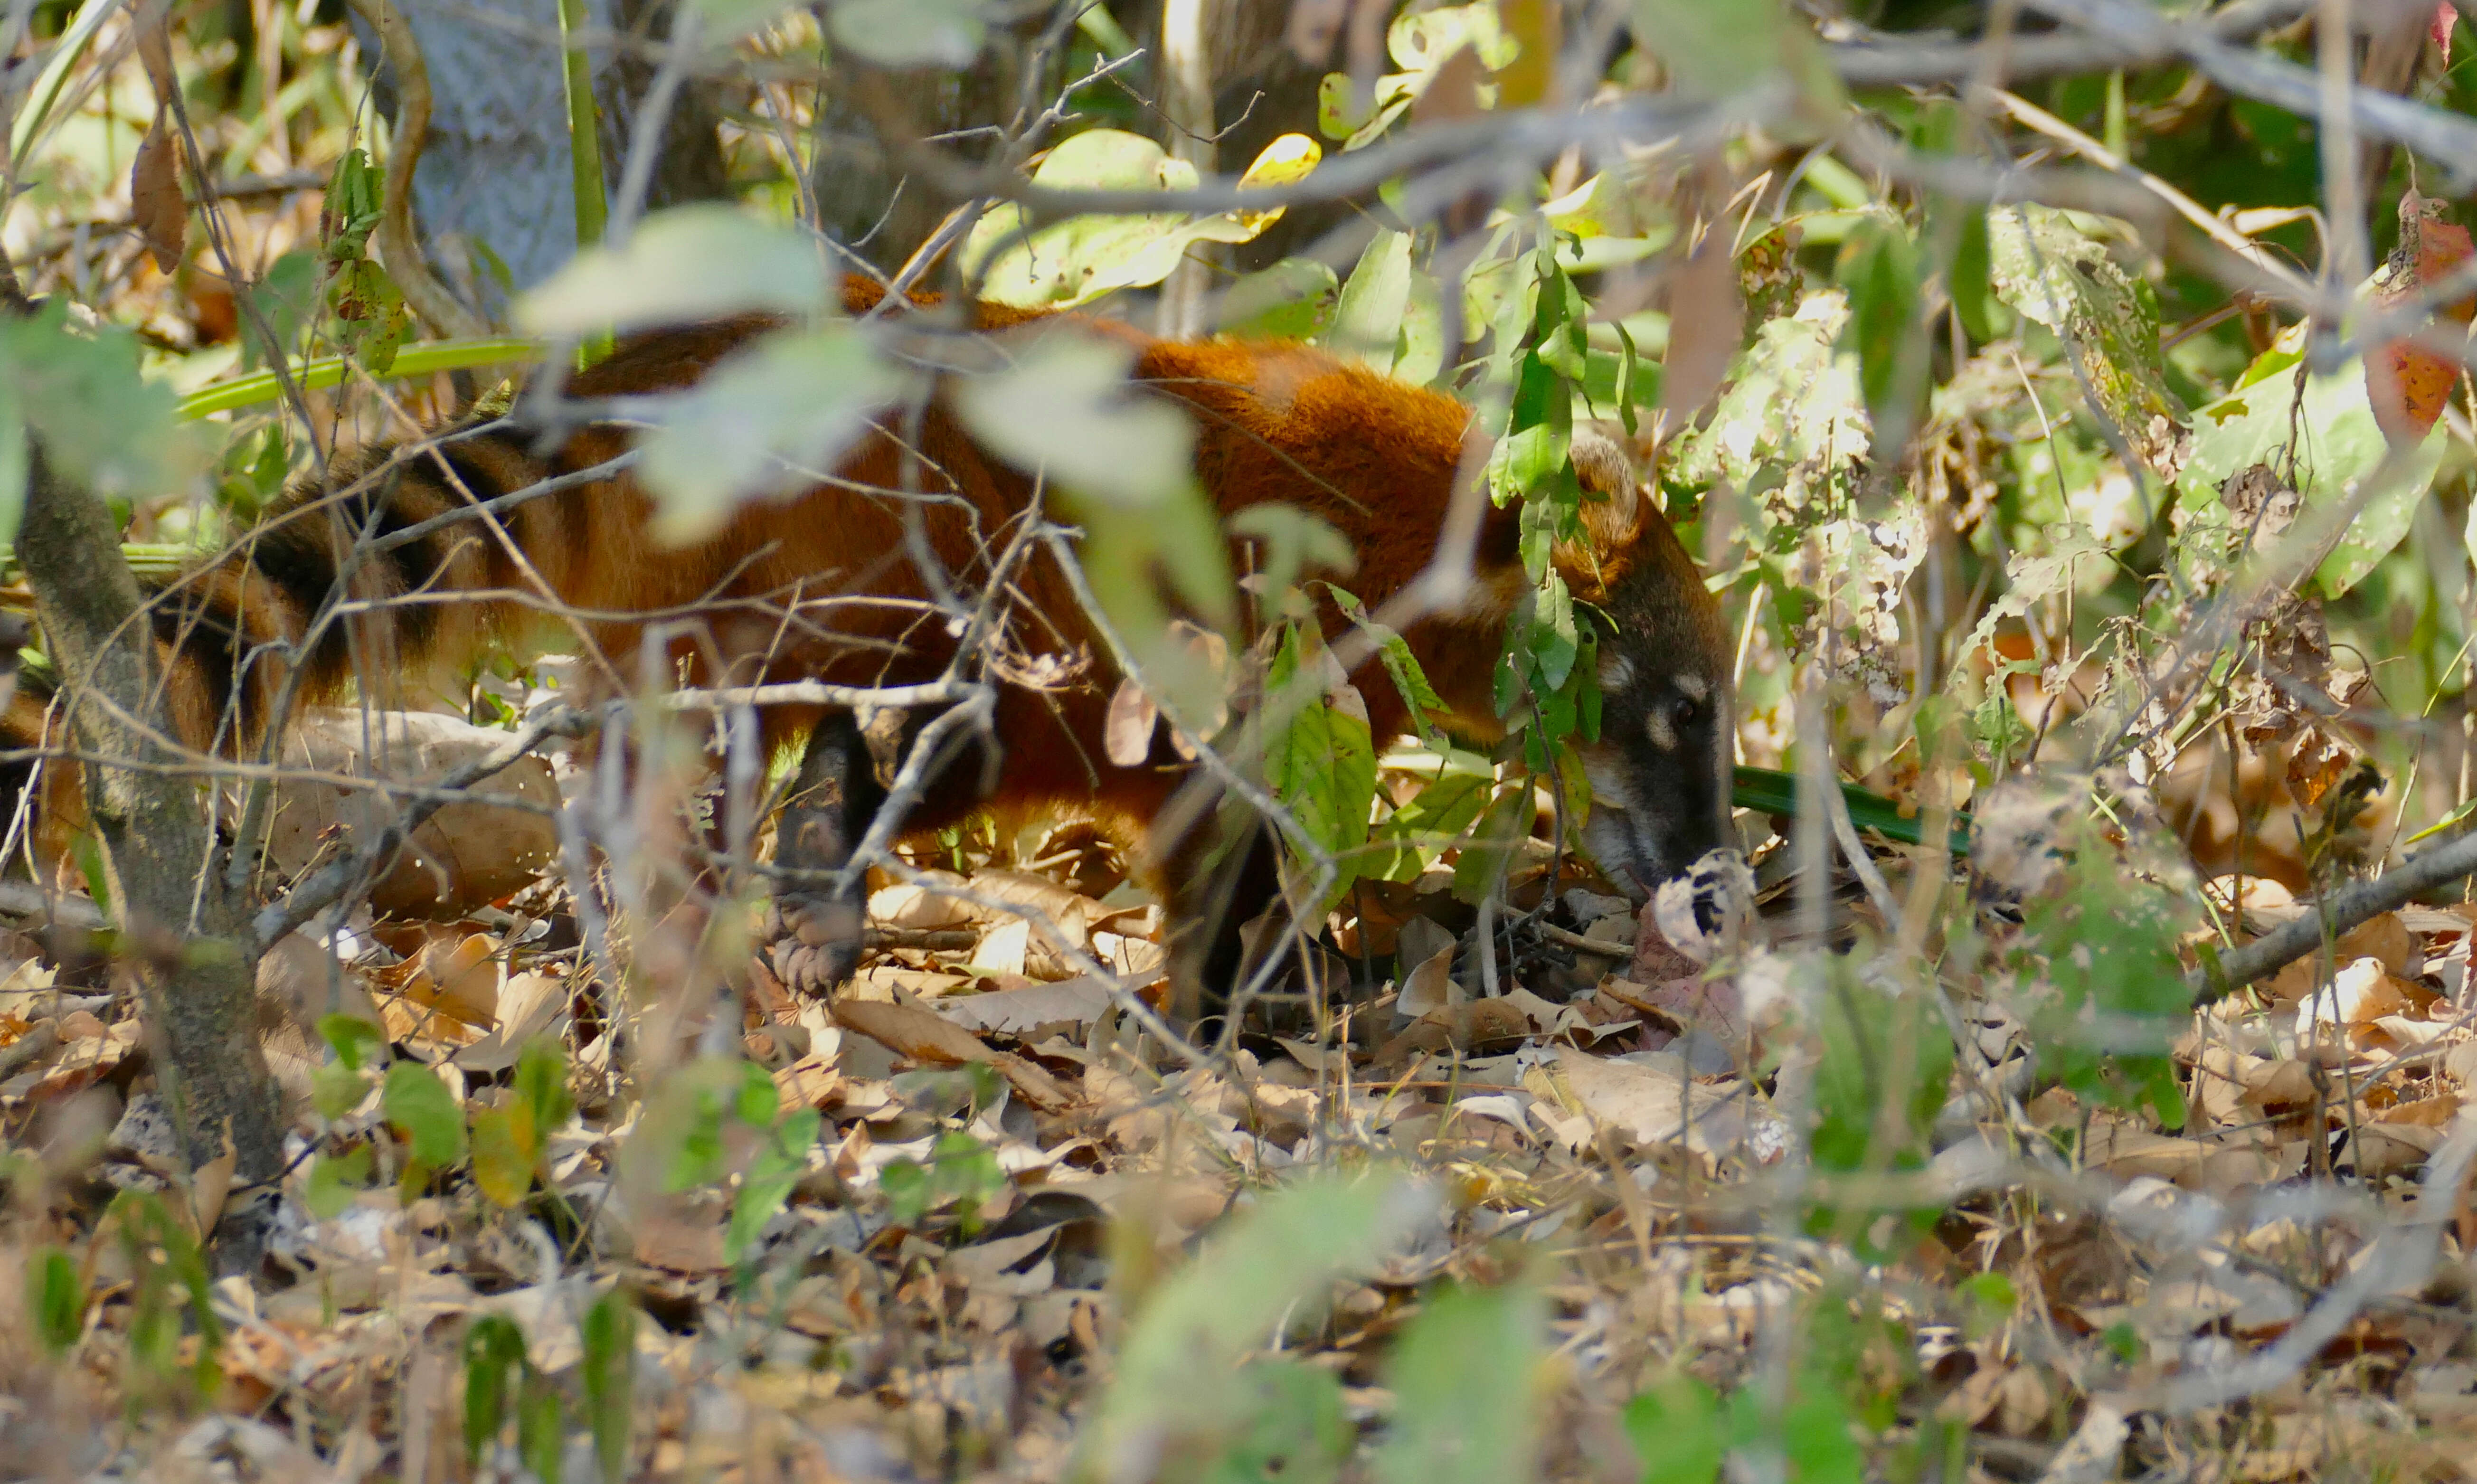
(816, 585)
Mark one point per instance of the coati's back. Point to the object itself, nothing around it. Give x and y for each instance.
(386, 570)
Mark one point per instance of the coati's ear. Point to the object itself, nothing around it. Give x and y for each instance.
(1613, 510)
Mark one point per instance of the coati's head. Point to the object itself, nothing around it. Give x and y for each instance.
(1660, 773)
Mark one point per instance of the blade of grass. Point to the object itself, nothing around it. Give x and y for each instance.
(584, 151)
(72, 45)
(417, 360)
(1769, 792)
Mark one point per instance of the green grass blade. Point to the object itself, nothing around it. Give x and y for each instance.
(420, 360)
(1769, 790)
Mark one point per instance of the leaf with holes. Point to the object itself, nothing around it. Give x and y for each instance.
(2043, 265)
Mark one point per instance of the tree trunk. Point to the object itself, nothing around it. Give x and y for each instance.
(186, 936)
(495, 190)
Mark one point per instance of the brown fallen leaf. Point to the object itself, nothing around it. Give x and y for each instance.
(156, 207)
(925, 1035)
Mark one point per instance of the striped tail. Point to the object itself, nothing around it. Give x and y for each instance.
(353, 579)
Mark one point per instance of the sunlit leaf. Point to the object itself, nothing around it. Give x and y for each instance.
(1080, 258)
(689, 263)
(1292, 300)
(1727, 48)
(1066, 411)
(2339, 444)
(2045, 266)
(1367, 323)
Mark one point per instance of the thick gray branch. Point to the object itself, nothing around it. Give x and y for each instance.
(2338, 913)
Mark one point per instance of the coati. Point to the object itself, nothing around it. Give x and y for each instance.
(817, 587)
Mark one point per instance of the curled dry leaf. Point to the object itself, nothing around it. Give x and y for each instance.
(156, 207)
(1126, 737)
(928, 1037)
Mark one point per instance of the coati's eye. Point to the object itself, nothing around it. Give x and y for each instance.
(1684, 712)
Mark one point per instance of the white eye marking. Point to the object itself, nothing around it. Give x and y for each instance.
(1695, 687)
(1617, 671)
(1657, 726)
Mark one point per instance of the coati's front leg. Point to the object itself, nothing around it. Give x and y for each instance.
(815, 931)
(846, 774)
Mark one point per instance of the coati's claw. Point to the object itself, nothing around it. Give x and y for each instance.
(815, 943)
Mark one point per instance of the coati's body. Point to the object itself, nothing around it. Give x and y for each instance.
(818, 587)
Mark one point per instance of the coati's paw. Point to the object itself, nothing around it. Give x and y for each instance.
(813, 942)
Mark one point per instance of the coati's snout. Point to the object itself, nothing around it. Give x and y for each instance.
(1660, 773)
(1661, 770)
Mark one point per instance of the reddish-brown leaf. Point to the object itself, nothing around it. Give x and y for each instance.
(155, 204)
(2408, 382)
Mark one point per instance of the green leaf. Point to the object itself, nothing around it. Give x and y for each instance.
(417, 1102)
(1464, 1410)
(1065, 409)
(1881, 268)
(355, 1040)
(1291, 1426)
(609, 1333)
(913, 32)
(541, 1084)
(2339, 447)
(1725, 48)
(1482, 863)
(1340, 111)
(494, 1353)
(1678, 1432)
(1080, 258)
(779, 1163)
(775, 416)
(2109, 989)
(1769, 791)
(2049, 269)
(1292, 300)
(1321, 762)
(541, 1433)
(1885, 1065)
(337, 1180)
(1409, 678)
(1814, 1432)
(689, 263)
(1269, 1265)
(1970, 278)
(1553, 642)
(56, 1297)
(1293, 542)
(1367, 321)
(100, 424)
(1418, 832)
